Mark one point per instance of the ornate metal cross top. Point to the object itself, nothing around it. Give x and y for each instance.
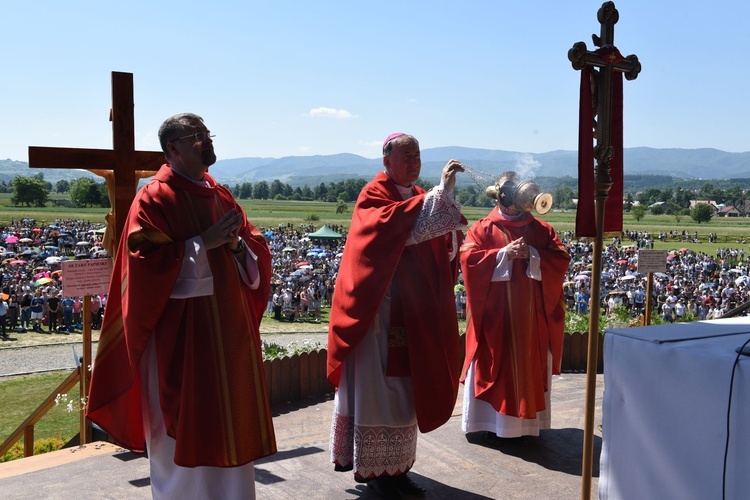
(607, 59)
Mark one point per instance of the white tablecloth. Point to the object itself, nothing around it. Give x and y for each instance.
(664, 413)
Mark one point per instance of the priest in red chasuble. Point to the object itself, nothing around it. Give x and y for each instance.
(393, 343)
(513, 266)
(179, 368)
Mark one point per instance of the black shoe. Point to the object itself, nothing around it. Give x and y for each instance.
(405, 485)
(343, 468)
(386, 487)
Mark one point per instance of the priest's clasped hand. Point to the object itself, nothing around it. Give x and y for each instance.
(517, 249)
(224, 231)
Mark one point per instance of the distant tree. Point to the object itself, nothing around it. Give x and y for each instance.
(84, 191)
(467, 196)
(638, 212)
(681, 197)
(29, 191)
(261, 191)
(563, 196)
(656, 210)
(287, 191)
(331, 193)
(62, 186)
(307, 193)
(341, 207)
(628, 202)
(245, 191)
(710, 192)
(320, 192)
(277, 188)
(103, 194)
(702, 212)
(40, 176)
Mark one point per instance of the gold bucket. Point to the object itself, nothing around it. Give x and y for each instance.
(529, 196)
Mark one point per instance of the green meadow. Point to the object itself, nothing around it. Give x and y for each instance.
(266, 214)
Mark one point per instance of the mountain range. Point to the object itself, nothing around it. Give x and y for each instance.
(312, 170)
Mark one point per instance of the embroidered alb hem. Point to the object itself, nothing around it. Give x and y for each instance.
(373, 450)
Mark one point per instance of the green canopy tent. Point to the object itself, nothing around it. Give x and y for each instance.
(325, 233)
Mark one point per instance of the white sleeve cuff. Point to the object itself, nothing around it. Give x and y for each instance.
(503, 268)
(195, 279)
(534, 270)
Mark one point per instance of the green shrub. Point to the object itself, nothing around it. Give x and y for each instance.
(40, 446)
(579, 323)
(272, 350)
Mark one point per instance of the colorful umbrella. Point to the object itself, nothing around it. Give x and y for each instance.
(43, 281)
(11, 239)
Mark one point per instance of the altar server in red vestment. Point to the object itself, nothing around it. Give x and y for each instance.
(393, 343)
(179, 366)
(513, 266)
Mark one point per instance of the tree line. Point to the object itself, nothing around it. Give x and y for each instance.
(35, 191)
(86, 192)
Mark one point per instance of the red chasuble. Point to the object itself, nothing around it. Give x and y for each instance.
(512, 325)
(211, 377)
(375, 256)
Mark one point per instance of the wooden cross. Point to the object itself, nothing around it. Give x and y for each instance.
(122, 165)
(604, 63)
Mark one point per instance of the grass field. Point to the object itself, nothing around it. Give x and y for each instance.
(270, 213)
(21, 395)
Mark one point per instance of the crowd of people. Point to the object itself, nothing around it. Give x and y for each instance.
(304, 271)
(695, 285)
(31, 286)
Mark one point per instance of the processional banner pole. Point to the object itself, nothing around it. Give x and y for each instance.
(601, 91)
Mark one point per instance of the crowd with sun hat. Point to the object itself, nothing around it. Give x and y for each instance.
(31, 286)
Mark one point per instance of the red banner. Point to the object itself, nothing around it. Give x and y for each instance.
(586, 213)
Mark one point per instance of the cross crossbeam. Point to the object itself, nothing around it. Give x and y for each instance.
(122, 166)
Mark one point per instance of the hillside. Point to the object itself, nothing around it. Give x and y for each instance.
(312, 170)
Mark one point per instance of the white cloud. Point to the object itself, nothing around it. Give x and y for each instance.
(371, 144)
(338, 114)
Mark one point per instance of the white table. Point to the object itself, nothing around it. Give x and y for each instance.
(664, 413)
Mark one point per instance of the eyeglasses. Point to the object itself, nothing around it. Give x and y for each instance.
(199, 136)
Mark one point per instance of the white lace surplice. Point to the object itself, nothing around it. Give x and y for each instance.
(374, 426)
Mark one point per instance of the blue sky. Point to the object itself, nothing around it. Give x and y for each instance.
(282, 78)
